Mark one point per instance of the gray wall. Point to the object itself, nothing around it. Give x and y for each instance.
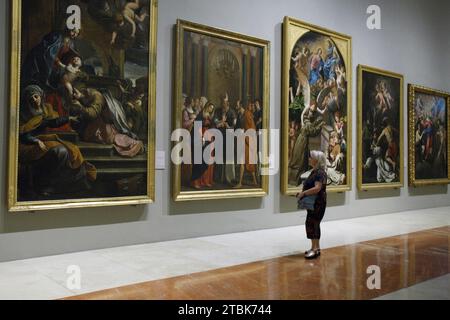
(414, 41)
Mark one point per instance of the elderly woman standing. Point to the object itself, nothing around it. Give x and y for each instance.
(316, 184)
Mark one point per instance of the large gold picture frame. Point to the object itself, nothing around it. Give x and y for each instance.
(389, 86)
(340, 47)
(46, 19)
(427, 108)
(225, 54)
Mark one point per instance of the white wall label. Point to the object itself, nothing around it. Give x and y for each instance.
(160, 160)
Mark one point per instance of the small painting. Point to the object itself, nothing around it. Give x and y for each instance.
(380, 129)
(428, 136)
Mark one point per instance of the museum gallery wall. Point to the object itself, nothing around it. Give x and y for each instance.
(418, 55)
(82, 110)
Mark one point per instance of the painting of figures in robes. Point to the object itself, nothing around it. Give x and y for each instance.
(222, 104)
(428, 136)
(82, 91)
(380, 129)
(316, 104)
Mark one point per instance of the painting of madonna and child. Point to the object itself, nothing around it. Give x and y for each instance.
(380, 138)
(316, 100)
(221, 89)
(84, 99)
(429, 127)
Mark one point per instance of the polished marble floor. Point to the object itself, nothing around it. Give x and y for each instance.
(340, 273)
(409, 247)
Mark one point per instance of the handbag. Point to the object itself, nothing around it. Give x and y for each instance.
(307, 202)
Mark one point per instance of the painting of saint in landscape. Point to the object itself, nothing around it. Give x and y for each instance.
(84, 100)
(221, 89)
(381, 128)
(318, 111)
(430, 136)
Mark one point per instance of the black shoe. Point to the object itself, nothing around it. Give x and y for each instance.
(312, 254)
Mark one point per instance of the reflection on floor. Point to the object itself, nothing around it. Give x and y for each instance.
(340, 273)
(48, 277)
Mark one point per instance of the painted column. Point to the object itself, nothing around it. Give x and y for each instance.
(205, 53)
(261, 75)
(244, 74)
(253, 52)
(194, 65)
(186, 73)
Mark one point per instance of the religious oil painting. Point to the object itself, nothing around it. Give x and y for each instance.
(380, 129)
(221, 104)
(82, 103)
(316, 104)
(428, 136)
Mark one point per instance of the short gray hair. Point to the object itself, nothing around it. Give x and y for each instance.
(321, 159)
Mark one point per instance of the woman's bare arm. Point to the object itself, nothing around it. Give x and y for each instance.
(313, 191)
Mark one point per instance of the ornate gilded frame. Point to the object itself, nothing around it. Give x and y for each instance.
(412, 90)
(177, 194)
(17, 206)
(293, 29)
(379, 186)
